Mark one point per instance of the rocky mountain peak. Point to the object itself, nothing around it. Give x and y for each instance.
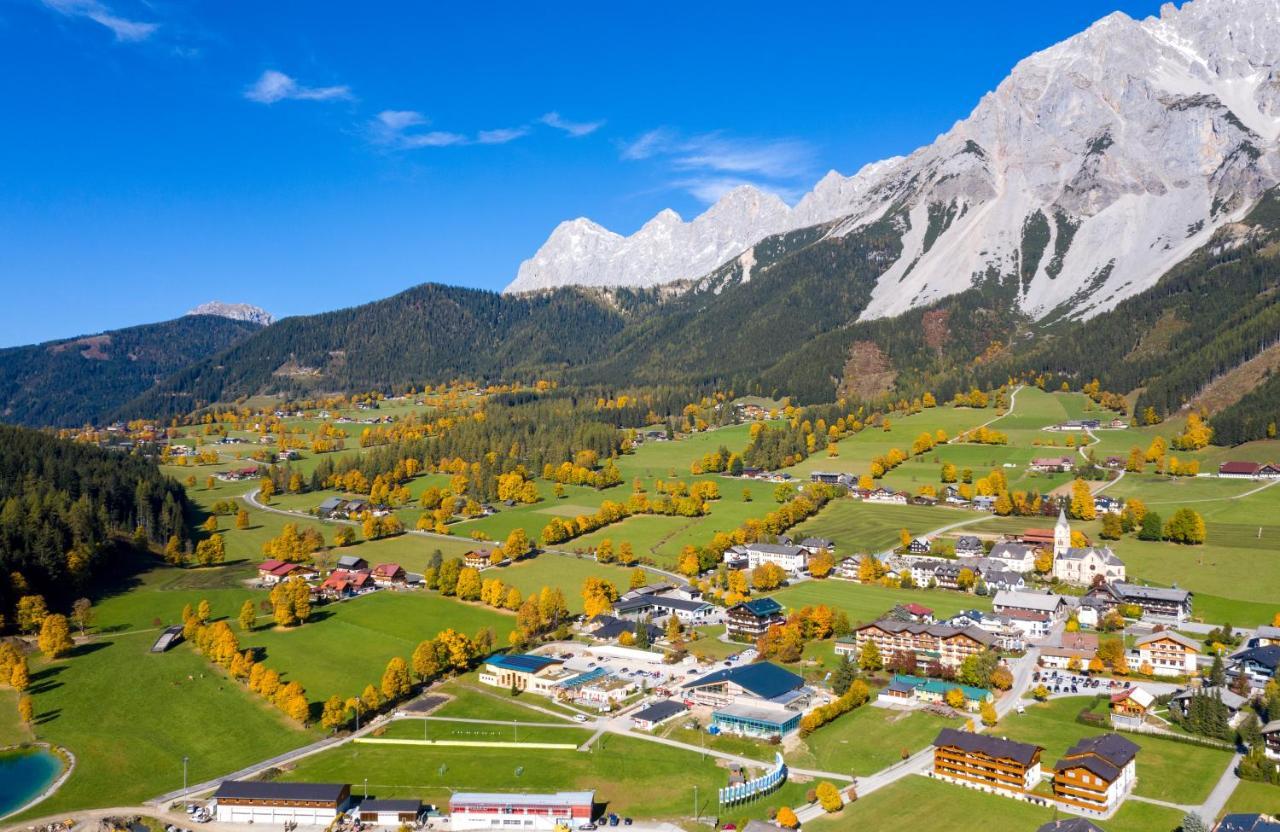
(235, 311)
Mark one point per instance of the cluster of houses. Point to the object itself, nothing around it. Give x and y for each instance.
(792, 557)
(1085, 425)
(338, 508)
(1004, 566)
(352, 576)
(1092, 778)
(238, 474)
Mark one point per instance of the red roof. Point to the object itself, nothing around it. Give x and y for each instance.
(387, 570)
(270, 565)
(917, 609)
(1239, 468)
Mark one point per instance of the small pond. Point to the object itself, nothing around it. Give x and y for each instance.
(24, 775)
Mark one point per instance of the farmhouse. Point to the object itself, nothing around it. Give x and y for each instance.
(389, 574)
(1052, 464)
(1131, 706)
(814, 545)
(1096, 773)
(1081, 565)
(540, 812)
(1168, 653)
(306, 804)
(1249, 470)
(919, 546)
(929, 643)
(750, 619)
(478, 558)
(912, 612)
(969, 546)
(989, 761)
(274, 571)
(390, 813)
(352, 563)
(1155, 602)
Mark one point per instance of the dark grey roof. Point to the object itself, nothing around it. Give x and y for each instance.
(1151, 593)
(1113, 751)
(780, 549)
(994, 747)
(665, 601)
(764, 679)
(659, 711)
(1268, 656)
(968, 541)
(1252, 822)
(391, 805)
(271, 790)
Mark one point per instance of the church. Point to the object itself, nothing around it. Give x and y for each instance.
(1074, 565)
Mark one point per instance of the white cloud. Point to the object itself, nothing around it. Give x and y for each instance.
(502, 135)
(391, 127)
(125, 30)
(575, 129)
(713, 163)
(273, 86)
(648, 145)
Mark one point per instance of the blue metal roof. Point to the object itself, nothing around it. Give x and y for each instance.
(522, 662)
(762, 606)
(585, 678)
(764, 679)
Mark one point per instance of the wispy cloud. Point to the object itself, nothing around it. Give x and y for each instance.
(573, 128)
(712, 163)
(502, 135)
(406, 130)
(273, 86)
(125, 30)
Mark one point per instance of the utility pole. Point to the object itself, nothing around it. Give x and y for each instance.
(695, 802)
(185, 758)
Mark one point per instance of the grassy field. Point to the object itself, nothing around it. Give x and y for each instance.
(863, 603)
(921, 803)
(1167, 770)
(563, 571)
(1254, 797)
(661, 787)
(347, 645)
(856, 526)
(868, 739)
(130, 716)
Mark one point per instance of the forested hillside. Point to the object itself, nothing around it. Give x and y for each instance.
(80, 380)
(428, 333)
(61, 503)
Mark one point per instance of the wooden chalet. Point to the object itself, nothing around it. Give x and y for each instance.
(988, 761)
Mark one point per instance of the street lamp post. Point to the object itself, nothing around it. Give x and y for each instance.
(185, 759)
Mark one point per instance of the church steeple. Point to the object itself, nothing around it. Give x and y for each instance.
(1061, 535)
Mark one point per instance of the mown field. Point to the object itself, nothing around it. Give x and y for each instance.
(865, 603)
(921, 803)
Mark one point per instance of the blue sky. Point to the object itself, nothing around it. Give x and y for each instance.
(308, 156)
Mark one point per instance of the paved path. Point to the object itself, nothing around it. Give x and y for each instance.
(90, 818)
(1221, 793)
(1240, 496)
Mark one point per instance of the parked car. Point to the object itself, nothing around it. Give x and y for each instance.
(579, 718)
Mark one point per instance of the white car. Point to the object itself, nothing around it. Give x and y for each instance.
(579, 717)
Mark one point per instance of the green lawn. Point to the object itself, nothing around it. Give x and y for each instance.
(1254, 797)
(856, 526)
(471, 703)
(432, 729)
(923, 803)
(864, 603)
(563, 571)
(347, 645)
(1167, 770)
(868, 739)
(632, 776)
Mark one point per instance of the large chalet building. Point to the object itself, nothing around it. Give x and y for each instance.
(1156, 602)
(1168, 653)
(929, 643)
(1096, 773)
(750, 619)
(985, 760)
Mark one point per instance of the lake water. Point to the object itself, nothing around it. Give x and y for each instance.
(24, 775)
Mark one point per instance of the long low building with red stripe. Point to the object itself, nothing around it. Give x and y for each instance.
(504, 810)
